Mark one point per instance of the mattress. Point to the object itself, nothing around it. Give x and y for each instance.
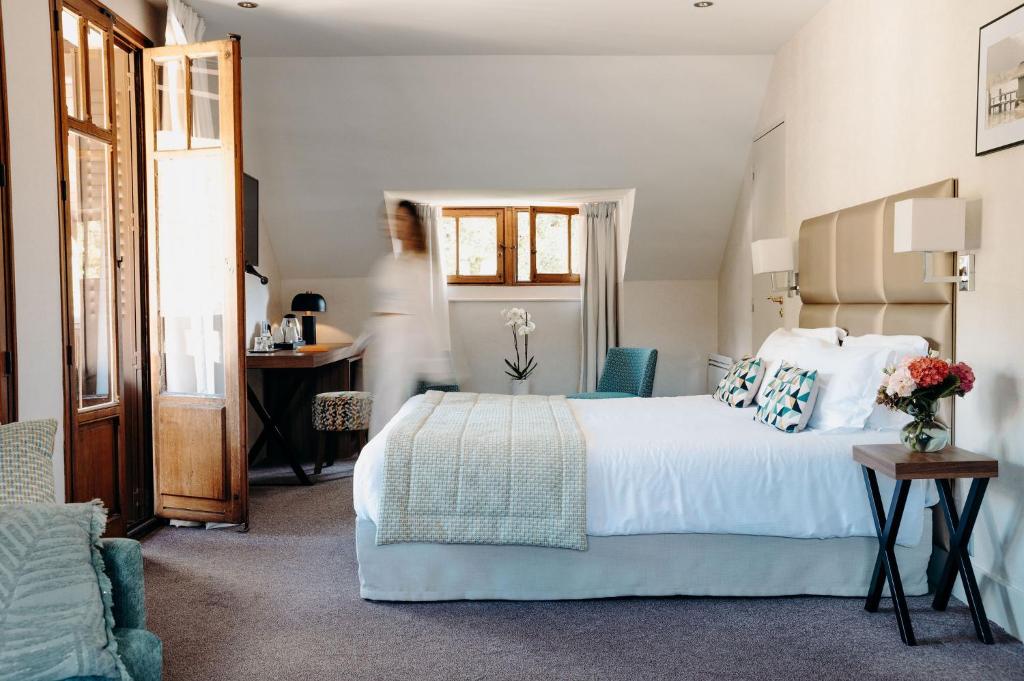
(691, 464)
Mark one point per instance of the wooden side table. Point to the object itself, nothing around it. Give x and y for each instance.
(905, 466)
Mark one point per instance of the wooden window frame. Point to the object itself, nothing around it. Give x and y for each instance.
(508, 246)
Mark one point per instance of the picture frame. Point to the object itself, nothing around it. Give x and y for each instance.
(1000, 86)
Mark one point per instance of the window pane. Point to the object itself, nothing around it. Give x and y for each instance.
(191, 256)
(523, 245)
(170, 112)
(126, 175)
(577, 243)
(448, 245)
(91, 259)
(552, 243)
(73, 81)
(205, 102)
(478, 246)
(97, 77)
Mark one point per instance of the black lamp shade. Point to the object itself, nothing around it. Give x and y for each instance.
(309, 302)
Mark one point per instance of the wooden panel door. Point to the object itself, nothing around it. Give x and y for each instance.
(95, 60)
(194, 212)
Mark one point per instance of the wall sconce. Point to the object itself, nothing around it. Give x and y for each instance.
(935, 226)
(775, 256)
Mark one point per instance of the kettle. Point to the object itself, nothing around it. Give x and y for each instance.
(290, 331)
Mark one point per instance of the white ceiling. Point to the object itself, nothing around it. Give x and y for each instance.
(327, 28)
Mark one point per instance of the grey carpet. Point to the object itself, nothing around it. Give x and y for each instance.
(282, 602)
(282, 474)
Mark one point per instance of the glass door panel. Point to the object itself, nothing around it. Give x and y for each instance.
(74, 81)
(91, 263)
(191, 256)
(170, 103)
(97, 42)
(205, 79)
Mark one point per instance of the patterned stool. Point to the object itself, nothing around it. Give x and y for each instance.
(337, 413)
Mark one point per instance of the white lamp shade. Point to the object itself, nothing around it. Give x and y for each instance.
(772, 255)
(930, 225)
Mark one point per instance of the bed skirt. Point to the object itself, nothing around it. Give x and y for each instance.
(633, 565)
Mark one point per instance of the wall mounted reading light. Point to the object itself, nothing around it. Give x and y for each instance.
(936, 226)
(774, 256)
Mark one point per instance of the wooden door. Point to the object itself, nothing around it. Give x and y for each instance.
(194, 214)
(95, 59)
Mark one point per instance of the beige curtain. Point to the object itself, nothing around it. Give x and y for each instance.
(443, 369)
(600, 283)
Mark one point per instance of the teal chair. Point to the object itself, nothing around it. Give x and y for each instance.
(139, 649)
(628, 372)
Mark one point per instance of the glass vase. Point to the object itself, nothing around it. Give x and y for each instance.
(925, 434)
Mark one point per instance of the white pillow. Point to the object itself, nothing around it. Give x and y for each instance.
(830, 334)
(883, 418)
(782, 344)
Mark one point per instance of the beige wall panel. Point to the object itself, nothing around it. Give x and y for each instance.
(817, 264)
(859, 253)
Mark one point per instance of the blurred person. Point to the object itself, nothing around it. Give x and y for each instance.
(405, 347)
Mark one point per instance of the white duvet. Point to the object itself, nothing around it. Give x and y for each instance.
(694, 465)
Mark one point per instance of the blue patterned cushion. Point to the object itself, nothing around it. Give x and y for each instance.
(55, 600)
(788, 399)
(739, 387)
(26, 461)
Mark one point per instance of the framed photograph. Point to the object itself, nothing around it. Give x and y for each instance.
(1000, 121)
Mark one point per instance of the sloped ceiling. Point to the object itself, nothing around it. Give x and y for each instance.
(326, 137)
(356, 28)
(329, 126)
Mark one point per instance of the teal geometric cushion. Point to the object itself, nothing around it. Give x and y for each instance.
(55, 605)
(26, 462)
(738, 387)
(789, 399)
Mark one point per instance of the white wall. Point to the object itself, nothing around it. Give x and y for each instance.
(679, 318)
(34, 206)
(878, 97)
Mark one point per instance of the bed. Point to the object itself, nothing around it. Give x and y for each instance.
(685, 496)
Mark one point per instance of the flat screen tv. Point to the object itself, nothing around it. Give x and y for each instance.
(251, 218)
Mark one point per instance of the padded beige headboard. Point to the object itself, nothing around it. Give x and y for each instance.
(849, 276)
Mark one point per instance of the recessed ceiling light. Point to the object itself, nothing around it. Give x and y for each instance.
(701, 5)
(248, 5)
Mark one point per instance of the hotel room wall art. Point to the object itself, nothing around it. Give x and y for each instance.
(1000, 122)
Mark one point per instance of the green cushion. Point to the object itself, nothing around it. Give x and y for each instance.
(598, 396)
(26, 461)
(55, 600)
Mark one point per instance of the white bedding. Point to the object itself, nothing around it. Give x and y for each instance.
(694, 465)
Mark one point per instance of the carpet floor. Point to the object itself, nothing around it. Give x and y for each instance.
(282, 602)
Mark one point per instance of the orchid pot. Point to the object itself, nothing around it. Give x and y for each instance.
(520, 387)
(519, 369)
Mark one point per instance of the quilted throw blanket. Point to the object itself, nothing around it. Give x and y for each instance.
(466, 468)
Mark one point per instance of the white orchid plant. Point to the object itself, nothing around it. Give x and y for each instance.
(518, 319)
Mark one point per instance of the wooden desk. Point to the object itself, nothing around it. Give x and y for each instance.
(904, 466)
(290, 371)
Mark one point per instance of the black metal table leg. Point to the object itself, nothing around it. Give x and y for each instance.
(886, 569)
(959, 559)
(271, 429)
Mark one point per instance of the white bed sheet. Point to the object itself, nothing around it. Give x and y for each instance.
(693, 465)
